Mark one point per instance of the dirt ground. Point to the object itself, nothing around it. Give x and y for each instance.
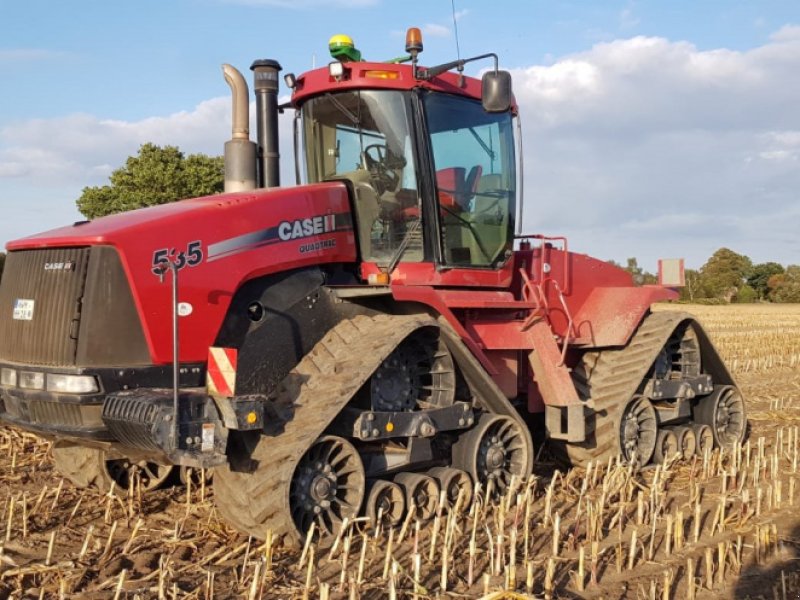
(719, 526)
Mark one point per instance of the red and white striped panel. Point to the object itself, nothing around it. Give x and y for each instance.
(221, 377)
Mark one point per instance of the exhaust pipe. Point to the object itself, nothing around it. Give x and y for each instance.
(240, 152)
(265, 85)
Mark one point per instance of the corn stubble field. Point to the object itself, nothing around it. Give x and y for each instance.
(719, 526)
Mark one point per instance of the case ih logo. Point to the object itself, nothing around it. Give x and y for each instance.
(292, 230)
(59, 266)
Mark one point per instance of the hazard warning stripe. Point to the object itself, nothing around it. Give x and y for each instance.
(221, 380)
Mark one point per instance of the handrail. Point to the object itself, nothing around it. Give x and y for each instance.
(567, 284)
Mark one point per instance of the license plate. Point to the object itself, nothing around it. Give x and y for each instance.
(23, 310)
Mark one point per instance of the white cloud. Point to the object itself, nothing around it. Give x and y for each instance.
(787, 33)
(434, 30)
(645, 146)
(639, 147)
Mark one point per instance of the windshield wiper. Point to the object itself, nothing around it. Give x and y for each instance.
(401, 249)
(343, 109)
(471, 229)
(483, 145)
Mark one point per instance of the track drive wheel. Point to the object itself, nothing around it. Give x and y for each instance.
(723, 411)
(494, 451)
(327, 486)
(86, 467)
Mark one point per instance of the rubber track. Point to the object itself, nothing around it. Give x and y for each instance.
(307, 401)
(607, 379)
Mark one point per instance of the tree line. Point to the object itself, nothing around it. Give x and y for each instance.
(731, 277)
(157, 175)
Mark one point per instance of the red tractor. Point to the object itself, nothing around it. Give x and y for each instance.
(353, 345)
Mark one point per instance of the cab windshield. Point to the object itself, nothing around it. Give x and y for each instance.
(364, 137)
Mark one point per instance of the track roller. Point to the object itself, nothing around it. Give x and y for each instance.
(723, 411)
(386, 499)
(666, 446)
(454, 482)
(421, 491)
(687, 441)
(494, 451)
(327, 486)
(638, 431)
(704, 437)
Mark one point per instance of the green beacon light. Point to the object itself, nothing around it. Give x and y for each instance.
(343, 49)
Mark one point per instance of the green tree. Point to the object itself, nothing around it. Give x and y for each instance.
(787, 288)
(640, 276)
(155, 175)
(760, 276)
(693, 288)
(746, 295)
(724, 274)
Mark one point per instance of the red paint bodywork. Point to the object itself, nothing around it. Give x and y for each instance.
(209, 286)
(364, 76)
(583, 302)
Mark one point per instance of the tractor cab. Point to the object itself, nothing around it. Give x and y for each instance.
(432, 172)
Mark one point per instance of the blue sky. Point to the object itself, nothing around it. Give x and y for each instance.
(668, 128)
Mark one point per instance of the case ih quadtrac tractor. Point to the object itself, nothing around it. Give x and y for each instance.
(353, 345)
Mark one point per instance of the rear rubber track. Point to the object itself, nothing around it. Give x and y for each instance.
(607, 379)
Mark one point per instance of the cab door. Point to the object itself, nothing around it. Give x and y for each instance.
(472, 155)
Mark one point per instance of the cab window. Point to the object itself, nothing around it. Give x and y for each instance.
(364, 137)
(473, 155)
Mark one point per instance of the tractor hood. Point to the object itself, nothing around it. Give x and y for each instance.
(217, 243)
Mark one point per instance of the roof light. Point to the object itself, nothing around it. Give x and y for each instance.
(336, 69)
(343, 49)
(413, 41)
(374, 74)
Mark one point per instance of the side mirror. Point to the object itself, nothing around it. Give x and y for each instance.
(496, 91)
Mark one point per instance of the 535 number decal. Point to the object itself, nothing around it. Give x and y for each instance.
(191, 257)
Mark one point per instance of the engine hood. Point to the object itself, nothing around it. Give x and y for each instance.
(218, 243)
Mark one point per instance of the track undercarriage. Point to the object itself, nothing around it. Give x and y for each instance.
(390, 414)
(374, 416)
(665, 392)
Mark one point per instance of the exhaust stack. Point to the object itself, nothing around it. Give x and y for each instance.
(240, 152)
(265, 86)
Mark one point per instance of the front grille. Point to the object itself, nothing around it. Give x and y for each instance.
(54, 279)
(54, 414)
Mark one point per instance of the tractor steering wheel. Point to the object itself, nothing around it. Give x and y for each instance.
(377, 160)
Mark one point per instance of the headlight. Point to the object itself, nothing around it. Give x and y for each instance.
(71, 384)
(30, 380)
(8, 377)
